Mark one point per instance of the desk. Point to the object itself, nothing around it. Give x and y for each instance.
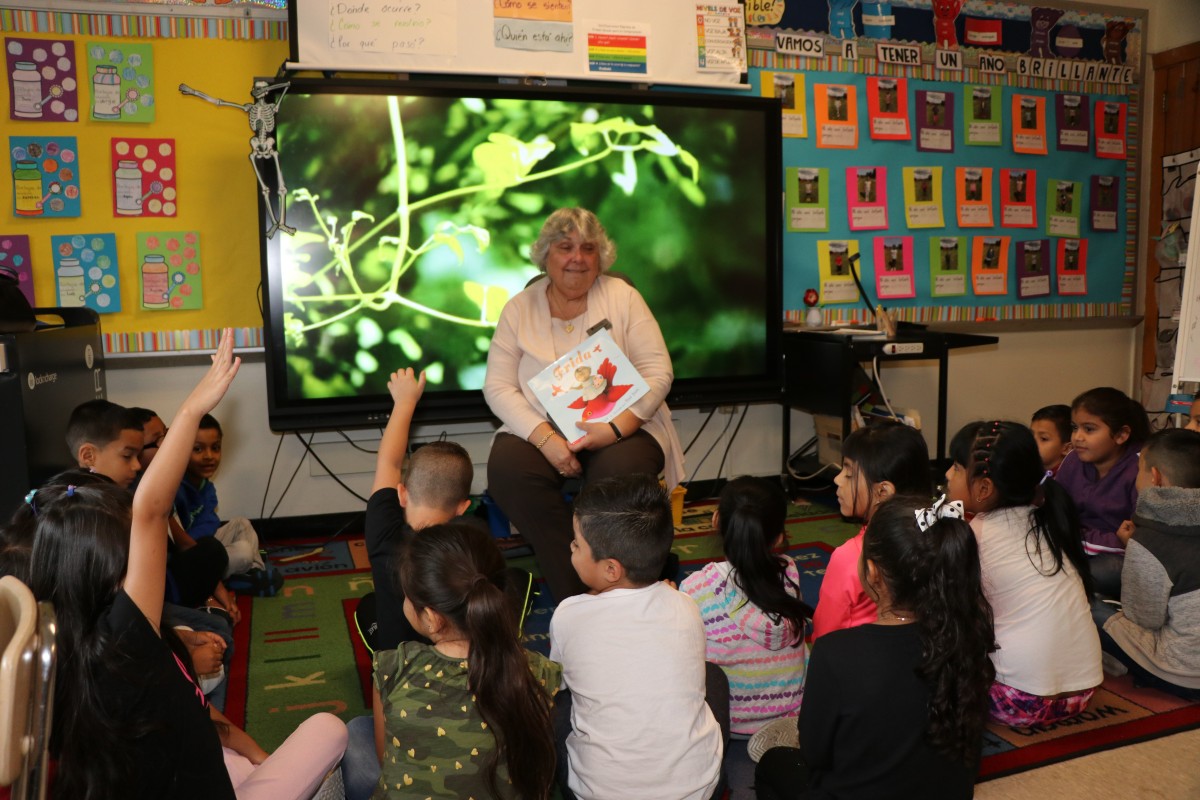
(818, 370)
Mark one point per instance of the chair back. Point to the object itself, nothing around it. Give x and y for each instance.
(27, 658)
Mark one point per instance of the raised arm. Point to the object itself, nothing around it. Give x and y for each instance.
(146, 575)
(406, 389)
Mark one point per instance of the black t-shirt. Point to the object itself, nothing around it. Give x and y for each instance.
(386, 529)
(863, 720)
(180, 757)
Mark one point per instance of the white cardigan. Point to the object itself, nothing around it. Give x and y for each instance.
(528, 339)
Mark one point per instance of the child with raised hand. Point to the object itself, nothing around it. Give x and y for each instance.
(751, 606)
(896, 708)
(878, 461)
(129, 719)
(469, 714)
(1100, 474)
(1156, 632)
(1051, 426)
(1035, 574)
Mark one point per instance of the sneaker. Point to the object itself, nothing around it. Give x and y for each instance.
(1112, 665)
(782, 732)
(265, 582)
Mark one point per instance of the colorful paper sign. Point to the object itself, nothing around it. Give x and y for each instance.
(169, 270)
(45, 175)
(788, 87)
(720, 37)
(1110, 129)
(866, 198)
(1071, 266)
(143, 177)
(122, 81)
(894, 268)
(935, 122)
(1033, 268)
(14, 255)
(1064, 202)
(835, 108)
(807, 199)
(887, 108)
(43, 82)
(948, 266)
(86, 272)
(1073, 122)
(989, 265)
(923, 197)
(973, 193)
(834, 265)
(1018, 198)
(981, 116)
(617, 47)
(1106, 189)
(1029, 124)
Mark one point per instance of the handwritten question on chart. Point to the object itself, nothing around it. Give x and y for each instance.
(411, 27)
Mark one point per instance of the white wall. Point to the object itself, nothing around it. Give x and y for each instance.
(1024, 371)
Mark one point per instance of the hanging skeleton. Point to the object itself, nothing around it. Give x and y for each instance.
(261, 114)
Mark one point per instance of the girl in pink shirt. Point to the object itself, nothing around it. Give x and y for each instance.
(878, 461)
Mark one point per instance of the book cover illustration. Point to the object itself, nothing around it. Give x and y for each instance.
(593, 383)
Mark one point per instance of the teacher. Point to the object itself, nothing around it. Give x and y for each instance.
(530, 460)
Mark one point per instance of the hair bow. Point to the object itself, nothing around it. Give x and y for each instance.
(942, 509)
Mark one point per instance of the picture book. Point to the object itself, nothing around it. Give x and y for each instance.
(593, 383)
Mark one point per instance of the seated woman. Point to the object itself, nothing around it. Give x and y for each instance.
(530, 460)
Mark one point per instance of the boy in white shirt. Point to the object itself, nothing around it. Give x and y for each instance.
(632, 652)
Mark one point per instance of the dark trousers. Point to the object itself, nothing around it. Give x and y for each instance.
(716, 695)
(529, 491)
(781, 773)
(195, 572)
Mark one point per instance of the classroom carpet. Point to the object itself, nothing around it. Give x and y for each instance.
(299, 653)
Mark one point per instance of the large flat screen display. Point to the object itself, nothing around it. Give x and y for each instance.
(414, 208)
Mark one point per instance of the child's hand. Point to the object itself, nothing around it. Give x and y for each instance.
(406, 386)
(215, 383)
(1125, 532)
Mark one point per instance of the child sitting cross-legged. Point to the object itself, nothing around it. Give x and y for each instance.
(632, 652)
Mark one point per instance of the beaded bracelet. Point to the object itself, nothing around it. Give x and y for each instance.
(545, 439)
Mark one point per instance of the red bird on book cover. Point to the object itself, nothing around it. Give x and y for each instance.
(600, 394)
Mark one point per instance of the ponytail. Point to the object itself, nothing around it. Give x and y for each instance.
(751, 516)
(935, 572)
(457, 570)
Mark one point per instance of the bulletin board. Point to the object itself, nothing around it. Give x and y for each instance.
(912, 133)
(144, 211)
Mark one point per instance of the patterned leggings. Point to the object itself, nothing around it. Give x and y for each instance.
(1010, 706)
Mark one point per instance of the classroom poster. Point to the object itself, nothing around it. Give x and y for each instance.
(617, 47)
(982, 116)
(1103, 202)
(1029, 124)
(894, 268)
(14, 255)
(835, 107)
(121, 76)
(85, 271)
(1033, 268)
(43, 82)
(720, 37)
(807, 199)
(835, 259)
(989, 265)
(169, 270)
(887, 108)
(143, 177)
(1110, 130)
(45, 176)
(877, 19)
(1071, 266)
(923, 197)
(973, 197)
(788, 87)
(866, 198)
(544, 25)
(1073, 121)
(947, 266)
(1018, 198)
(1064, 201)
(935, 122)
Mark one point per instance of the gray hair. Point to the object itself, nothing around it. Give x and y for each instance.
(566, 221)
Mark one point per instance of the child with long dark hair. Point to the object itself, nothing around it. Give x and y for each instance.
(751, 606)
(469, 714)
(1035, 574)
(878, 461)
(129, 717)
(896, 708)
(1100, 474)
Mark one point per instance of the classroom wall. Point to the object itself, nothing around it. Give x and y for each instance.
(1025, 370)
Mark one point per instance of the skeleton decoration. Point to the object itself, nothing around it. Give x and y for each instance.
(261, 114)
